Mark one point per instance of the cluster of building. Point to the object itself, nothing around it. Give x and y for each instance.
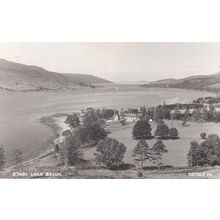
(189, 109)
(127, 117)
(133, 115)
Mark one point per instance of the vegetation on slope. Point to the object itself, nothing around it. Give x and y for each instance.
(15, 76)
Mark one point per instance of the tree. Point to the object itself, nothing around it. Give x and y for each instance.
(216, 116)
(206, 153)
(70, 151)
(158, 113)
(158, 150)
(110, 153)
(166, 113)
(142, 130)
(173, 133)
(141, 153)
(162, 130)
(211, 148)
(204, 114)
(176, 114)
(2, 157)
(107, 113)
(73, 120)
(90, 117)
(17, 156)
(196, 155)
(203, 135)
(143, 111)
(91, 133)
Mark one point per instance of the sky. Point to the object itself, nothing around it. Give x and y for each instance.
(119, 61)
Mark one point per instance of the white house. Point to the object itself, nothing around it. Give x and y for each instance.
(116, 117)
(131, 117)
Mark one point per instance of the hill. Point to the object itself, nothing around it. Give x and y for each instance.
(15, 76)
(89, 79)
(199, 82)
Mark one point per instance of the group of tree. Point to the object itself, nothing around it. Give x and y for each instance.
(163, 132)
(91, 129)
(142, 130)
(87, 133)
(209, 100)
(156, 113)
(205, 153)
(142, 153)
(94, 114)
(198, 115)
(73, 120)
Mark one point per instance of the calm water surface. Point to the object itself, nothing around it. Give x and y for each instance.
(20, 112)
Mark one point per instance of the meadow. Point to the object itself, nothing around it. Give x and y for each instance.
(177, 149)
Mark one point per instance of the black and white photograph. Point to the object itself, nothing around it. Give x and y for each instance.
(110, 110)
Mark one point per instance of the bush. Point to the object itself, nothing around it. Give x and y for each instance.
(110, 153)
(139, 173)
(141, 130)
(173, 133)
(203, 135)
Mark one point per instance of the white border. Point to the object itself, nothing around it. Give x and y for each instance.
(104, 21)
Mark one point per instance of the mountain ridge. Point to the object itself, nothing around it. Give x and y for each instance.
(199, 82)
(16, 76)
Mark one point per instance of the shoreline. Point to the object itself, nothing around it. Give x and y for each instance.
(55, 122)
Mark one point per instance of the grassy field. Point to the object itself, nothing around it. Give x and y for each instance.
(175, 160)
(177, 149)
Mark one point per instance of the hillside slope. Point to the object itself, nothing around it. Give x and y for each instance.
(200, 82)
(15, 76)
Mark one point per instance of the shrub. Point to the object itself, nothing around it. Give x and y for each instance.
(203, 135)
(141, 130)
(110, 153)
(173, 133)
(139, 173)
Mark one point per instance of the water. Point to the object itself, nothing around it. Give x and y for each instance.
(20, 112)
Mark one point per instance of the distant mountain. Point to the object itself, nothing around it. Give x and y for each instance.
(15, 76)
(169, 80)
(199, 82)
(89, 79)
